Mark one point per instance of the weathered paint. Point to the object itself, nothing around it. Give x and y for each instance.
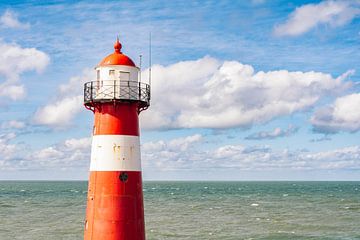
(115, 153)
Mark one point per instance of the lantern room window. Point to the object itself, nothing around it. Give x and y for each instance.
(124, 76)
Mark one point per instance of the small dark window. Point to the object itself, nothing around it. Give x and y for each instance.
(124, 76)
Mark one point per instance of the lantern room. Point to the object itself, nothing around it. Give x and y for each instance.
(117, 79)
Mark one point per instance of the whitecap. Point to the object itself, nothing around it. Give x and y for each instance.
(254, 204)
(286, 232)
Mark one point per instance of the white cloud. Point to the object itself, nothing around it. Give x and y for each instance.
(60, 113)
(207, 93)
(160, 156)
(77, 144)
(75, 86)
(14, 92)
(307, 17)
(10, 20)
(176, 150)
(71, 153)
(181, 154)
(181, 144)
(69, 101)
(7, 137)
(8, 150)
(13, 124)
(15, 60)
(321, 139)
(276, 133)
(342, 115)
(48, 153)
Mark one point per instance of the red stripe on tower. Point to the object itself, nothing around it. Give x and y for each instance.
(115, 199)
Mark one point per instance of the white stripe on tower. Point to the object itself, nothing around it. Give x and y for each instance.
(115, 153)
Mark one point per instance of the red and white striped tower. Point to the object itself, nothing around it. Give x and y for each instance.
(115, 199)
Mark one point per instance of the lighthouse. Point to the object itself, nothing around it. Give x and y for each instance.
(115, 207)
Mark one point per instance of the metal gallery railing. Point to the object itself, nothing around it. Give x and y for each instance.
(109, 90)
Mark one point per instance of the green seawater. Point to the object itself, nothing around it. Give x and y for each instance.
(192, 210)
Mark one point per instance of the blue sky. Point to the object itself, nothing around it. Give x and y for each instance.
(251, 90)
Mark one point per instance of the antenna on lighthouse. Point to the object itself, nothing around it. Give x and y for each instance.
(150, 59)
(140, 60)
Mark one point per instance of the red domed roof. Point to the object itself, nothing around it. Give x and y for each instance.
(117, 58)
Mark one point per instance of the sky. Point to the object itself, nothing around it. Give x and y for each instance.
(241, 90)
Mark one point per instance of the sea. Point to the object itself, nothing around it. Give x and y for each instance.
(192, 210)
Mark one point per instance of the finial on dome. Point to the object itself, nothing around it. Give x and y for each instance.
(117, 45)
